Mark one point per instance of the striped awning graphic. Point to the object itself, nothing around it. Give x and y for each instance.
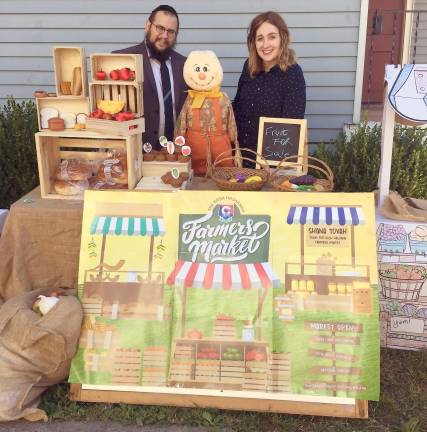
(226, 276)
(131, 226)
(325, 215)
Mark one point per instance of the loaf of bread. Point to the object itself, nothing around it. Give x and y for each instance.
(73, 169)
(69, 187)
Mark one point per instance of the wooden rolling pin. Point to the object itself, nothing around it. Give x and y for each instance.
(76, 85)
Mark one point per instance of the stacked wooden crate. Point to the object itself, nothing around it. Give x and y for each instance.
(126, 367)
(101, 138)
(154, 366)
(182, 367)
(279, 375)
(224, 328)
(127, 91)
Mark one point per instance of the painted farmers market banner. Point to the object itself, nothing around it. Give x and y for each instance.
(265, 293)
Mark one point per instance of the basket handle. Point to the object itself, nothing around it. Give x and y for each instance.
(237, 157)
(324, 169)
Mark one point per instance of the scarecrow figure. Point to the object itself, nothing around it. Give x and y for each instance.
(207, 119)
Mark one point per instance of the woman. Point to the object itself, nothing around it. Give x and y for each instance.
(272, 83)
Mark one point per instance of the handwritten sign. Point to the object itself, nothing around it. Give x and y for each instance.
(279, 138)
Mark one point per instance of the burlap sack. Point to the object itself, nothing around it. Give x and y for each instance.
(395, 207)
(35, 352)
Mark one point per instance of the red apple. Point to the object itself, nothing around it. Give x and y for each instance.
(100, 75)
(132, 75)
(115, 74)
(99, 114)
(124, 74)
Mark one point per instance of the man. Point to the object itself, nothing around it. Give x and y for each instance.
(164, 89)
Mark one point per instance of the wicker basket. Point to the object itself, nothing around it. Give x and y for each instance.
(402, 289)
(291, 162)
(222, 175)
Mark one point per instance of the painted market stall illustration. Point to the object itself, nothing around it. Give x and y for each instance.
(205, 291)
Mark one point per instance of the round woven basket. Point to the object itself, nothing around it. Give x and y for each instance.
(291, 162)
(222, 175)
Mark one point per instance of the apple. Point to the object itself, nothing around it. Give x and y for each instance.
(124, 74)
(100, 75)
(99, 114)
(115, 74)
(132, 75)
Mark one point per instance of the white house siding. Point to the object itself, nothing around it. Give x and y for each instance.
(324, 33)
(419, 33)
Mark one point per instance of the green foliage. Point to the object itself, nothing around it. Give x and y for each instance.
(18, 161)
(355, 160)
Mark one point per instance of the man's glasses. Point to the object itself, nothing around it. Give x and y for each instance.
(160, 30)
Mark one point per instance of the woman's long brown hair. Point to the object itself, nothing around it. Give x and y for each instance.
(287, 55)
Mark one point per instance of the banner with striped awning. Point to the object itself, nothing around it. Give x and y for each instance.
(130, 226)
(227, 276)
(316, 215)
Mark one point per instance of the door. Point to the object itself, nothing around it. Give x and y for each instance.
(383, 45)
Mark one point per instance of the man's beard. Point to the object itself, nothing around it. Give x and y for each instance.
(154, 52)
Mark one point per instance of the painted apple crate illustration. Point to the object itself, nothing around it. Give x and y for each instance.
(402, 282)
(214, 364)
(154, 365)
(55, 147)
(69, 109)
(111, 68)
(70, 71)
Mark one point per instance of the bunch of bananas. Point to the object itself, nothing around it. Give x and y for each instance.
(111, 107)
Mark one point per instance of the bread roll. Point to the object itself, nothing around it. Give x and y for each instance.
(73, 169)
(66, 187)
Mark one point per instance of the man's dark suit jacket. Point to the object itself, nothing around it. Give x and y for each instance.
(150, 97)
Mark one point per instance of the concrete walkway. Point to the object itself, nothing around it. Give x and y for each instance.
(74, 426)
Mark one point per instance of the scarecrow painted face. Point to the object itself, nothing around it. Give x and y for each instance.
(203, 71)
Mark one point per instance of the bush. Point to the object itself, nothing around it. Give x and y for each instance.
(355, 160)
(18, 160)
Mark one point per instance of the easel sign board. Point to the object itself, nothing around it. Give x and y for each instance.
(221, 300)
(279, 138)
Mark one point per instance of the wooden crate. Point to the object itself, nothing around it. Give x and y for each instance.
(157, 169)
(52, 148)
(154, 363)
(279, 374)
(128, 91)
(108, 62)
(112, 127)
(65, 59)
(126, 366)
(70, 104)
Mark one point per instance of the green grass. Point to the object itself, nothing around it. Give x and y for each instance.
(402, 407)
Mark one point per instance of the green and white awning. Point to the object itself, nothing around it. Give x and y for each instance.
(131, 226)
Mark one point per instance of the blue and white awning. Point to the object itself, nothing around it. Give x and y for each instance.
(325, 215)
(131, 226)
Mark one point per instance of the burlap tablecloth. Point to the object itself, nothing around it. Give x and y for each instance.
(40, 244)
